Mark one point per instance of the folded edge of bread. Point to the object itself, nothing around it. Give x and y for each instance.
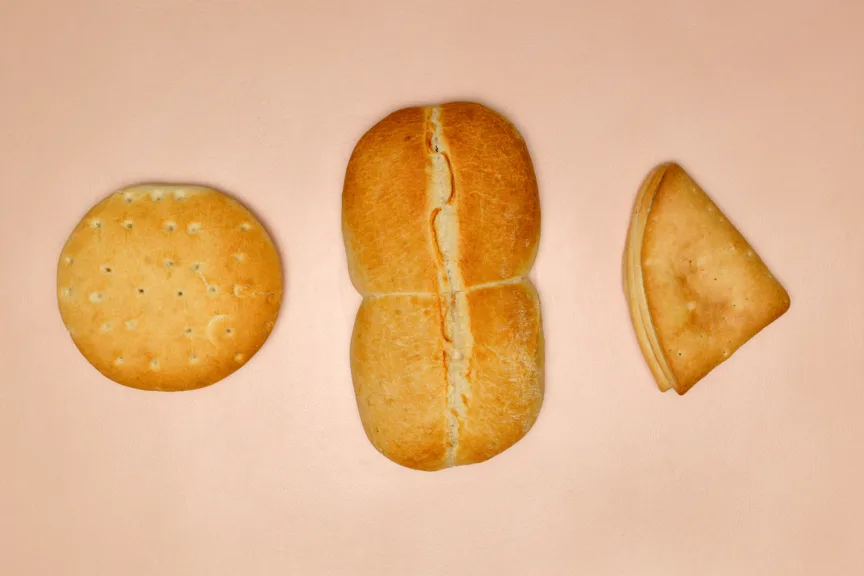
(696, 289)
(441, 223)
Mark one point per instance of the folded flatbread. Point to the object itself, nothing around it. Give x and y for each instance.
(697, 290)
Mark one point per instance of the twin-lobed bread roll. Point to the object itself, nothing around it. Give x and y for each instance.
(169, 287)
(696, 289)
(441, 222)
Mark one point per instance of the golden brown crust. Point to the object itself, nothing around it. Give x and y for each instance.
(400, 380)
(706, 290)
(500, 216)
(385, 208)
(506, 370)
(633, 283)
(166, 287)
(441, 221)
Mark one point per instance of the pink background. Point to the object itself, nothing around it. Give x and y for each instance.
(758, 470)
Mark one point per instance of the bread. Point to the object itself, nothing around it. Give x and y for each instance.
(441, 222)
(697, 291)
(166, 287)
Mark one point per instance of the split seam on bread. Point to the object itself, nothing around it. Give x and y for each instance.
(456, 328)
(464, 290)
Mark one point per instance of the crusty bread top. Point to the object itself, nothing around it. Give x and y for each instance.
(499, 219)
(166, 287)
(505, 371)
(427, 408)
(389, 216)
(441, 221)
(707, 291)
(400, 381)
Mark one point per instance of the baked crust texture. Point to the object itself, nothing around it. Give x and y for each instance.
(696, 289)
(441, 221)
(169, 287)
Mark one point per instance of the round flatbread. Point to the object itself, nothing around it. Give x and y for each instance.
(169, 287)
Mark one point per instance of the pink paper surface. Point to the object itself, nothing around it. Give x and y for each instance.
(758, 470)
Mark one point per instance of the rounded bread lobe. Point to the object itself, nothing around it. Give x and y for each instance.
(399, 379)
(506, 386)
(499, 213)
(169, 287)
(385, 208)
